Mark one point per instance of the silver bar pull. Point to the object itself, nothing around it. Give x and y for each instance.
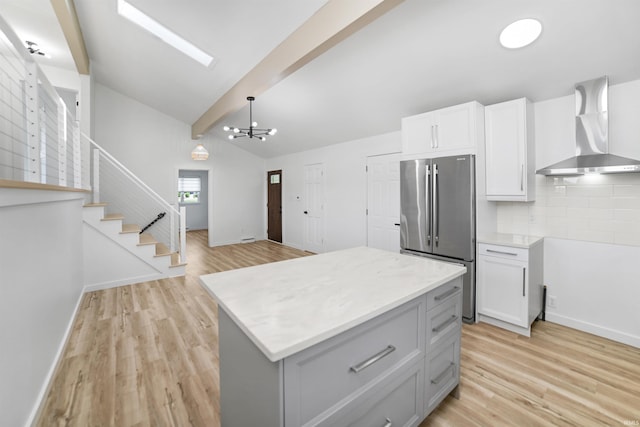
(388, 423)
(446, 294)
(524, 274)
(443, 374)
(444, 324)
(522, 178)
(373, 359)
(436, 226)
(437, 143)
(502, 252)
(432, 137)
(427, 186)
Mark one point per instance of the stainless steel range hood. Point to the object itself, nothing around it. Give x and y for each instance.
(592, 136)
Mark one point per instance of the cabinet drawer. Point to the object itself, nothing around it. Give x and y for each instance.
(444, 319)
(520, 254)
(442, 371)
(443, 293)
(324, 378)
(399, 403)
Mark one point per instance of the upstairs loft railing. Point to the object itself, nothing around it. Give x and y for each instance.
(41, 143)
(39, 136)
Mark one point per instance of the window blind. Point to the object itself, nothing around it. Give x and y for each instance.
(189, 184)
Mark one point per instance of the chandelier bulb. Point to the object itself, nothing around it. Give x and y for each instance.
(262, 138)
(236, 130)
(254, 124)
(273, 131)
(231, 136)
(226, 128)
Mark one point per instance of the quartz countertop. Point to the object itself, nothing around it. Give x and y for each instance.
(288, 306)
(512, 240)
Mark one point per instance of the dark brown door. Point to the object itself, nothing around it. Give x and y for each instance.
(274, 205)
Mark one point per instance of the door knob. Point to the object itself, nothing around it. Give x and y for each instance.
(305, 212)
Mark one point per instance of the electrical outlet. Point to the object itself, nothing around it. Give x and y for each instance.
(552, 301)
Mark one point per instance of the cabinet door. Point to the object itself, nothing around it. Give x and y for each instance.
(502, 289)
(505, 148)
(418, 133)
(455, 127)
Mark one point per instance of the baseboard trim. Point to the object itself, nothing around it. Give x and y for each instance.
(46, 385)
(123, 282)
(591, 328)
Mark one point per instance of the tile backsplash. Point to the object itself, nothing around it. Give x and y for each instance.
(596, 208)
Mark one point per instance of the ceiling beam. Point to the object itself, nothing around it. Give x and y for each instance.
(66, 12)
(332, 23)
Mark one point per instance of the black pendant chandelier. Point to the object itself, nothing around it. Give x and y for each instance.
(252, 131)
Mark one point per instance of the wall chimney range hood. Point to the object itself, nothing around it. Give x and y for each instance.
(592, 136)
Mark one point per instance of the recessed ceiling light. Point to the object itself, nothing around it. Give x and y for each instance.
(166, 35)
(520, 33)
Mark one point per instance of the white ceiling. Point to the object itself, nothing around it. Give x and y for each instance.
(422, 55)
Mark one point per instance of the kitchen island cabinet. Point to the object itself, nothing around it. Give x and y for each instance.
(510, 273)
(354, 337)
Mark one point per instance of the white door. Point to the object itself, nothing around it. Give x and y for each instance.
(314, 207)
(383, 202)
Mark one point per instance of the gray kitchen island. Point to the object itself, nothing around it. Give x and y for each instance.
(357, 337)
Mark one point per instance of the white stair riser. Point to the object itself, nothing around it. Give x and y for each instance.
(129, 239)
(93, 213)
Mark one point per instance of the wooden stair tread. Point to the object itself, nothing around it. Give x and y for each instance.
(112, 217)
(94, 205)
(130, 228)
(147, 239)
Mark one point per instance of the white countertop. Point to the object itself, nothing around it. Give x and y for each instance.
(513, 240)
(288, 306)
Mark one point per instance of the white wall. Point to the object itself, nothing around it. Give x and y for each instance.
(154, 146)
(41, 283)
(345, 189)
(595, 286)
(593, 282)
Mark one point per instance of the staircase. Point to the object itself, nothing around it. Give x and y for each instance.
(117, 254)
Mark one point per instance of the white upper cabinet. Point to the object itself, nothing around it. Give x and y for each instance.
(510, 155)
(451, 130)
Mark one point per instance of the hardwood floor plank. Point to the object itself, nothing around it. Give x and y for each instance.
(147, 355)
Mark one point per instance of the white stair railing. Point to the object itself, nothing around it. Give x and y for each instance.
(128, 195)
(39, 136)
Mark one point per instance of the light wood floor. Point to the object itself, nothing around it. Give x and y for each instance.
(146, 355)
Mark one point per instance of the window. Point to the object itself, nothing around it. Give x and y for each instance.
(189, 190)
(275, 178)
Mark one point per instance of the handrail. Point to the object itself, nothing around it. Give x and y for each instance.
(131, 174)
(156, 219)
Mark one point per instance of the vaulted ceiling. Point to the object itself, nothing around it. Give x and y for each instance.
(420, 55)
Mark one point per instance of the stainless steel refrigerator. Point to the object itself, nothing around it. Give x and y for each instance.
(438, 215)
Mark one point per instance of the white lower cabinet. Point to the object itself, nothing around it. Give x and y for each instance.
(509, 286)
(392, 370)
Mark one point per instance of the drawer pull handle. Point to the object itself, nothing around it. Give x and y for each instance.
(388, 423)
(443, 374)
(501, 252)
(373, 359)
(444, 324)
(446, 294)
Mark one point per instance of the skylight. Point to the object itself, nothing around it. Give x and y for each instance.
(143, 20)
(520, 33)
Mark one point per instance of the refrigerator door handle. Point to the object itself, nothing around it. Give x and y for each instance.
(427, 187)
(436, 230)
